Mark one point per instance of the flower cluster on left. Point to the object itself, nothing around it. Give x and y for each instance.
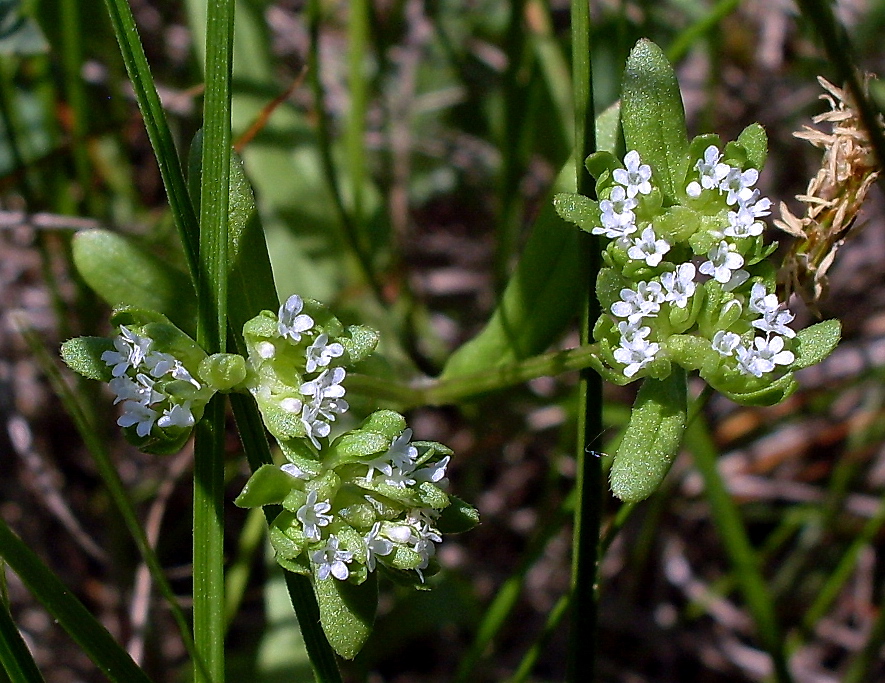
(367, 498)
(153, 368)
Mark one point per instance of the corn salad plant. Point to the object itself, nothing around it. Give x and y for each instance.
(671, 273)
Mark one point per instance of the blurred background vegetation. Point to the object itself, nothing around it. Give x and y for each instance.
(400, 152)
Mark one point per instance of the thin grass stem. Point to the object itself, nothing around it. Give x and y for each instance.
(588, 482)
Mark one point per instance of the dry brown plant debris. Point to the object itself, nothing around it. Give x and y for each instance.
(833, 197)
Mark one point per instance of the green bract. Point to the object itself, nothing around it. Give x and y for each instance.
(685, 283)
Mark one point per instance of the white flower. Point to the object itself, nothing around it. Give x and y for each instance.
(434, 473)
(771, 352)
(165, 363)
(748, 361)
(320, 353)
(724, 343)
(618, 231)
(291, 325)
(401, 453)
(631, 331)
(737, 184)
(314, 425)
(754, 203)
(647, 248)
(743, 223)
(137, 414)
(130, 351)
(177, 415)
(399, 479)
(313, 515)
(294, 471)
(635, 177)
(375, 545)
(636, 355)
(711, 172)
(644, 302)
(762, 359)
(679, 285)
(140, 391)
(617, 210)
(327, 393)
(331, 561)
(722, 260)
(773, 319)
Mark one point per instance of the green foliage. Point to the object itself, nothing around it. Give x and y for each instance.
(652, 439)
(652, 116)
(347, 613)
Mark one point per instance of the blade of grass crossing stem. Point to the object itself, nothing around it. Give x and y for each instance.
(208, 579)
(15, 658)
(582, 644)
(744, 561)
(157, 128)
(74, 406)
(68, 611)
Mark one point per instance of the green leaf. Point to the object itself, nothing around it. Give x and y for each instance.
(124, 274)
(268, 485)
(15, 658)
(347, 612)
(387, 422)
(815, 343)
(769, 395)
(652, 115)
(359, 342)
(652, 439)
(359, 444)
(578, 209)
(83, 355)
(458, 517)
(754, 140)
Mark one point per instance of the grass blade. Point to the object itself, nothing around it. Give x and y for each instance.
(15, 658)
(157, 127)
(744, 561)
(70, 613)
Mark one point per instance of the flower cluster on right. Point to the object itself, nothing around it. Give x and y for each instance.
(685, 278)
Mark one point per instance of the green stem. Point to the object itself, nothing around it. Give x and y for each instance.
(209, 624)
(439, 392)
(588, 484)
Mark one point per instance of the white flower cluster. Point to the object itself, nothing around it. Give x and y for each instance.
(136, 371)
(677, 284)
(324, 394)
(415, 532)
